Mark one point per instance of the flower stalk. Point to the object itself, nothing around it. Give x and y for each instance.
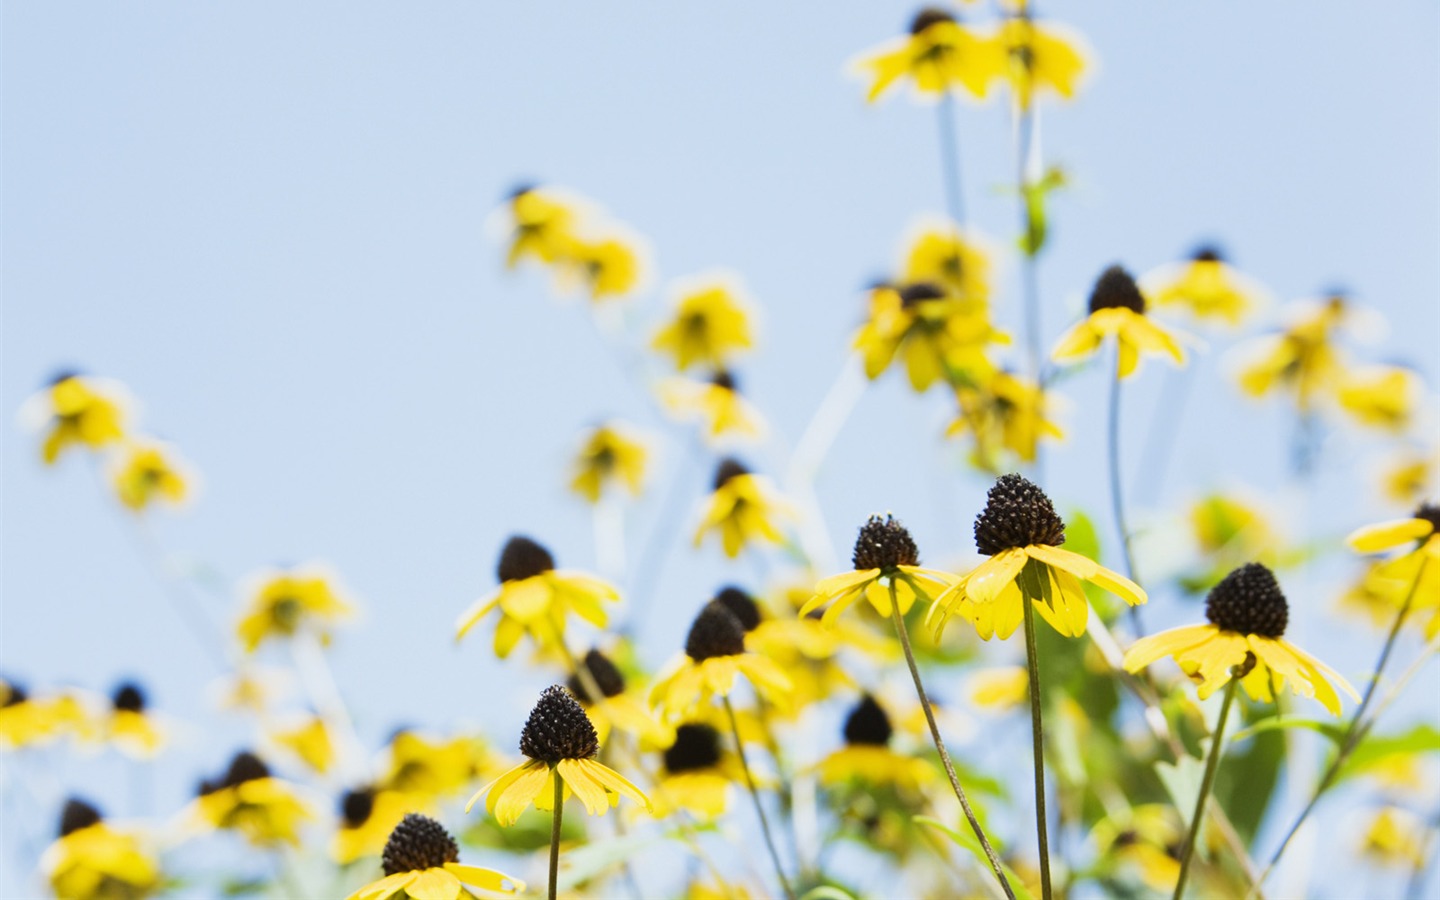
(1117, 490)
(1037, 732)
(1212, 764)
(755, 796)
(557, 814)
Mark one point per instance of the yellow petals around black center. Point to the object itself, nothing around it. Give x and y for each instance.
(1116, 288)
(884, 544)
(245, 766)
(697, 746)
(558, 729)
(741, 605)
(356, 806)
(418, 843)
(1017, 514)
(920, 292)
(868, 724)
(523, 558)
(715, 632)
(77, 814)
(729, 468)
(930, 15)
(128, 697)
(1248, 601)
(607, 678)
(724, 378)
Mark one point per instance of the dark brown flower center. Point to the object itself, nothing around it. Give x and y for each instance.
(930, 15)
(356, 806)
(418, 843)
(715, 632)
(868, 724)
(884, 544)
(607, 678)
(920, 292)
(1208, 253)
(1116, 289)
(558, 729)
(523, 558)
(729, 468)
(77, 814)
(1017, 514)
(1430, 512)
(697, 746)
(741, 605)
(128, 697)
(1248, 601)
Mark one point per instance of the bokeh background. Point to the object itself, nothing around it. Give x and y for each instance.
(269, 220)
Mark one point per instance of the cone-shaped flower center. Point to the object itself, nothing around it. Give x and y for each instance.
(523, 558)
(1116, 288)
(558, 729)
(868, 724)
(1017, 514)
(729, 468)
(919, 292)
(884, 544)
(1248, 601)
(928, 16)
(129, 697)
(715, 632)
(246, 766)
(696, 746)
(607, 678)
(1430, 512)
(356, 806)
(741, 605)
(418, 843)
(76, 815)
(1208, 253)
(15, 695)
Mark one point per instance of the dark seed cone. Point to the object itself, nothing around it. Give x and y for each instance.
(725, 379)
(77, 814)
(884, 544)
(15, 695)
(741, 605)
(1017, 514)
(418, 843)
(715, 632)
(246, 766)
(868, 724)
(128, 697)
(696, 746)
(607, 678)
(61, 375)
(356, 806)
(1248, 601)
(729, 468)
(1208, 253)
(1430, 512)
(558, 729)
(1116, 288)
(919, 292)
(523, 558)
(930, 15)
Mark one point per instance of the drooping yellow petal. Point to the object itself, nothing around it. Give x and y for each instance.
(614, 782)
(1166, 643)
(1384, 535)
(486, 879)
(384, 888)
(475, 613)
(1080, 342)
(591, 793)
(434, 884)
(991, 577)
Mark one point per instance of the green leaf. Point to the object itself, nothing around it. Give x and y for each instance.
(826, 892)
(1276, 723)
(968, 842)
(1374, 752)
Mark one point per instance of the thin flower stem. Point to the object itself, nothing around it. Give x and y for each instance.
(1212, 764)
(904, 636)
(1117, 491)
(557, 813)
(755, 795)
(950, 158)
(1037, 736)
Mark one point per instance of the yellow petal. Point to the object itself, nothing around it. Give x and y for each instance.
(434, 884)
(990, 578)
(384, 888)
(1166, 643)
(1076, 344)
(591, 793)
(475, 613)
(1383, 536)
(486, 879)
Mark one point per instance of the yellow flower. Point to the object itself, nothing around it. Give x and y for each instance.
(148, 472)
(716, 404)
(427, 768)
(1303, 357)
(130, 726)
(1245, 640)
(24, 720)
(1395, 837)
(284, 603)
(709, 325)
(310, 741)
(536, 598)
(610, 455)
(610, 266)
(868, 759)
(1411, 475)
(886, 561)
(1229, 525)
(617, 706)
(1381, 397)
(1375, 595)
(937, 56)
(1419, 567)
(367, 816)
(810, 652)
(697, 775)
(714, 654)
(940, 252)
(1041, 57)
(1147, 837)
(1004, 409)
(76, 410)
(1206, 286)
(999, 689)
(266, 810)
(1021, 533)
(542, 225)
(560, 743)
(936, 334)
(742, 507)
(422, 862)
(92, 861)
(1117, 308)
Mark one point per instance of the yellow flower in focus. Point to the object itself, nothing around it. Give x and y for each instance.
(743, 507)
(938, 55)
(421, 861)
(76, 410)
(716, 404)
(1206, 286)
(1245, 640)
(609, 456)
(617, 707)
(1117, 309)
(148, 472)
(1303, 358)
(714, 655)
(246, 799)
(887, 564)
(1383, 397)
(536, 598)
(367, 817)
(130, 727)
(285, 603)
(937, 335)
(999, 689)
(709, 325)
(697, 775)
(868, 759)
(1007, 410)
(310, 741)
(1418, 568)
(428, 769)
(943, 254)
(560, 743)
(1395, 837)
(1147, 837)
(1020, 531)
(92, 861)
(1041, 57)
(542, 225)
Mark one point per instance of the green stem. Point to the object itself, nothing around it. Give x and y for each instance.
(1212, 764)
(1037, 736)
(904, 636)
(755, 795)
(1117, 494)
(557, 813)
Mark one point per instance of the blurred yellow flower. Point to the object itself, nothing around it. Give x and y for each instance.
(76, 410)
(1147, 837)
(130, 726)
(617, 707)
(743, 507)
(1206, 286)
(421, 861)
(717, 404)
(542, 225)
(310, 742)
(1383, 397)
(23, 720)
(1007, 411)
(1117, 308)
(427, 768)
(714, 655)
(1041, 57)
(697, 775)
(709, 324)
(246, 799)
(92, 861)
(610, 455)
(809, 652)
(938, 55)
(999, 689)
(611, 266)
(1410, 476)
(1302, 358)
(937, 335)
(1227, 525)
(867, 757)
(367, 816)
(887, 563)
(147, 472)
(1419, 567)
(1395, 837)
(282, 604)
(940, 252)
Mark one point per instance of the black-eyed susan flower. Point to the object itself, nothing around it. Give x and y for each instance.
(367, 816)
(610, 456)
(1006, 411)
(723, 413)
(1383, 397)
(559, 742)
(714, 655)
(284, 603)
(698, 773)
(811, 652)
(542, 224)
(887, 563)
(428, 768)
(1021, 533)
(1418, 567)
(743, 507)
(93, 861)
(147, 472)
(1304, 358)
(535, 598)
(308, 740)
(24, 720)
(1206, 286)
(616, 707)
(76, 410)
(942, 253)
(1245, 640)
(1145, 838)
(709, 324)
(1117, 309)
(1041, 57)
(130, 725)
(249, 800)
(938, 336)
(613, 265)
(867, 757)
(1411, 475)
(938, 55)
(421, 861)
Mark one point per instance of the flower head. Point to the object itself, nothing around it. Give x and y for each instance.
(542, 225)
(1041, 57)
(709, 325)
(1303, 358)
(367, 817)
(613, 265)
(1383, 397)
(285, 603)
(608, 457)
(1117, 308)
(1205, 285)
(422, 861)
(247, 799)
(938, 55)
(743, 507)
(617, 706)
(697, 774)
(887, 562)
(1418, 568)
(92, 861)
(716, 404)
(867, 757)
(714, 654)
(427, 768)
(130, 725)
(940, 336)
(77, 410)
(149, 472)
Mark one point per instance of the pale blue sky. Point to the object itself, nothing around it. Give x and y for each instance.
(268, 220)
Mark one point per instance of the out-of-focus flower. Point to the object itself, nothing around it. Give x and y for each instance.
(310, 741)
(1117, 308)
(1303, 358)
(999, 689)
(939, 55)
(697, 774)
(1395, 837)
(867, 757)
(76, 410)
(714, 654)
(282, 604)
(421, 861)
(1374, 594)
(1147, 837)
(609, 456)
(1226, 524)
(809, 651)
(743, 507)
(23, 720)
(92, 861)
(1007, 411)
(1206, 286)
(1418, 568)
(1245, 640)
(247, 799)
(1041, 57)
(1021, 533)
(536, 598)
(887, 564)
(148, 472)
(617, 707)
(130, 726)
(559, 742)
(710, 324)
(367, 816)
(611, 266)
(942, 253)
(543, 223)
(1411, 476)
(1384, 397)
(428, 768)
(716, 404)
(937, 334)
(250, 688)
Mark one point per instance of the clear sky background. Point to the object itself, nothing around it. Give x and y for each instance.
(268, 220)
